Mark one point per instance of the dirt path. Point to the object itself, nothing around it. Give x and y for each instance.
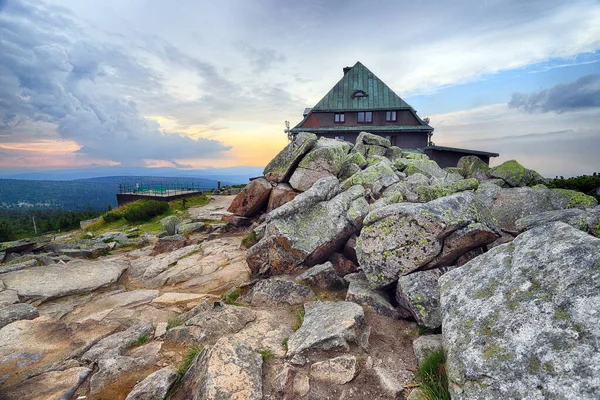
(215, 209)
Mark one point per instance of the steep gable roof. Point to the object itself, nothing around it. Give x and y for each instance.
(359, 78)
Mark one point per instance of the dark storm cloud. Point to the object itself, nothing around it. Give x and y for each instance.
(580, 94)
(51, 71)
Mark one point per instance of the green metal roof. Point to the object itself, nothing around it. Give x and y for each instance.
(365, 128)
(379, 95)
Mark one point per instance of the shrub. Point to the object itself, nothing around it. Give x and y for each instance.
(140, 341)
(112, 216)
(266, 354)
(144, 210)
(284, 343)
(432, 376)
(231, 296)
(584, 183)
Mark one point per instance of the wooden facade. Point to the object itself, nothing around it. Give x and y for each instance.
(361, 102)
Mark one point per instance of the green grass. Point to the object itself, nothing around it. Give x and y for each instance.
(249, 240)
(140, 341)
(424, 331)
(299, 319)
(284, 343)
(433, 382)
(231, 296)
(188, 359)
(266, 354)
(173, 322)
(193, 201)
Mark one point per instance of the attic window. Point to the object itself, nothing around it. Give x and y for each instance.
(359, 93)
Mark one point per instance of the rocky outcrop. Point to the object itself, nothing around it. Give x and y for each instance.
(282, 166)
(515, 175)
(429, 193)
(376, 177)
(169, 225)
(473, 167)
(307, 229)
(329, 325)
(401, 238)
(325, 159)
(50, 385)
(228, 370)
(252, 199)
(585, 220)
(360, 292)
(274, 291)
(48, 282)
(518, 321)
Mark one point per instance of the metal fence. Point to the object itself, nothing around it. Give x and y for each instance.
(162, 189)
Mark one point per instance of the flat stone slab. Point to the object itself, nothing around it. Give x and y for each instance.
(51, 385)
(52, 281)
(168, 299)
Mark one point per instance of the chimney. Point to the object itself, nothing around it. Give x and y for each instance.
(346, 69)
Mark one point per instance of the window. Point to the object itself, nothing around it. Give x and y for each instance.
(340, 137)
(359, 93)
(339, 118)
(390, 116)
(365, 116)
(392, 139)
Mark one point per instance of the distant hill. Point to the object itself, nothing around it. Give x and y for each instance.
(82, 194)
(231, 175)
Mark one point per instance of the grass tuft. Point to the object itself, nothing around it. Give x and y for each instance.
(266, 354)
(173, 322)
(231, 296)
(188, 359)
(284, 343)
(249, 240)
(433, 381)
(299, 319)
(140, 341)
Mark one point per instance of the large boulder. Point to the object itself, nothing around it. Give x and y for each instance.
(325, 159)
(281, 194)
(377, 177)
(228, 370)
(428, 193)
(520, 321)
(307, 230)
(429, 168)
(323, 276)
(330, 326)
(515, 175)
(251, 199)
(52, 281)
(509, 205)
(338, 370)
(368, 144)
(281, 167)
(276, 291)
(401, 238)
(585, 220)
(155, 385)
(473, 167)
(169, 225)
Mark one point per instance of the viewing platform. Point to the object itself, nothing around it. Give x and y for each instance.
(159, 191)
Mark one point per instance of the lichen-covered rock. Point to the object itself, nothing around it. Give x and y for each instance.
(282, 166)
(429, 168)
(584, 220)
(191, 227)
(154, 386)
(328, 326)
(508, 205)
(281, 194)
(360, 292)
(407, 188)
(473, 167)
(307, 231)
(425, 345)
(228, 370)
(348, 171)
(520, 321)
(169, 224)
(322, 276)
(378, 177)
(365, 139)
(356, 158)
(462, 241)
(14, 312)
(515, 175)
(325, 159)
(419, 293)
(275, 291)
(393, 153)
(338, 370)
(401, 238)
(251, 199)
(428, 193)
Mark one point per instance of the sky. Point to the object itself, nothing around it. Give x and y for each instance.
(196, 84)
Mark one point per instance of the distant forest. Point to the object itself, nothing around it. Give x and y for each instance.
(60, 205)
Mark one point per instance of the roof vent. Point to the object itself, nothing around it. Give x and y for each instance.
(346, 69)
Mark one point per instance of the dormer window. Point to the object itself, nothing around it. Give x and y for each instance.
(359, 93)
(390, 116)
(339, 118)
